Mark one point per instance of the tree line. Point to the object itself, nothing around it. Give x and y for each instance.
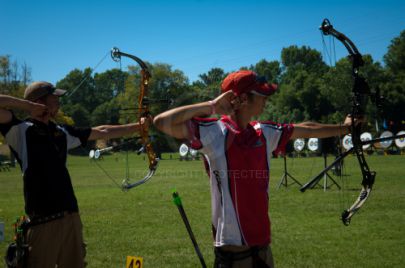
(309, 89)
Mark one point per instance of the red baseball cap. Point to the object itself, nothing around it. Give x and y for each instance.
(247, 81)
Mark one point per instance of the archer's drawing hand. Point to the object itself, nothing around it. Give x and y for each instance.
(358, 120)
(37, 109)
(145, 122)
(226, 103)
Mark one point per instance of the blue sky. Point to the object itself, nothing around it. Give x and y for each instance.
(54, 37)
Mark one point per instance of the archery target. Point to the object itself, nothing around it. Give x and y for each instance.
(91, 154)
(97, 154)
(313, 144)
(299, 144)
(347, 142)
(387, 143)
(183, 150)
(193, 152)
(400, 143)
(366, 136)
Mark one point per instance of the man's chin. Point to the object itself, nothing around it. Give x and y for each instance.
(53, 115)
(44, 118)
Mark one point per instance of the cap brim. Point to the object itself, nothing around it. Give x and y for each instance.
(265, 89)
(59, 92)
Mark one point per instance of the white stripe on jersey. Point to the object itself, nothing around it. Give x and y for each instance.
(17, 140)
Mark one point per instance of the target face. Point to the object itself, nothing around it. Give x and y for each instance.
(183, 150)
(387, 143)
(313, 144)
(299, 144)
(366, 137)
(347, 142)
(400, 143)
(193, 152)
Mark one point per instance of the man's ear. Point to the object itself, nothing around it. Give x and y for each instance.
(41, 100)
(243, 98)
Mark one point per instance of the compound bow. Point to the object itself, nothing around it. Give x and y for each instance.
(143, 111)
(360, 94)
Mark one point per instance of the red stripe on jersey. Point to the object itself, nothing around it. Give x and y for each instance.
(248, 182)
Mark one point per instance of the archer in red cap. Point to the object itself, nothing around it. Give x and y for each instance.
(237, 151)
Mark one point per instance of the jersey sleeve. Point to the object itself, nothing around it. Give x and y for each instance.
(76, 136)
(13, 132)
(277, 136)
(287, 131)
(5, 128)
(202, 132)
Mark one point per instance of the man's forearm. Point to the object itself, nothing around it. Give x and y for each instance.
(9, 102)
(317, 130)
(113, 131)
(182, 114)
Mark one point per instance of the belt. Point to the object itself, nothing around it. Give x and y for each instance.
(225, 259)
(237, 255)
(39, 219)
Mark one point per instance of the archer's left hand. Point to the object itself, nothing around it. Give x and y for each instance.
(145, 122)
(358, 120)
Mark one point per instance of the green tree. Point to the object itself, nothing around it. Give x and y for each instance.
(393, 87)
(108, 85)
(303, 57)
(81, 89)
(77, 103)
(106, 113)
(395, 56)
(299, 96)
(208, 86)
(269, 69)
(14, 77)
(79, 114)
(337, 85)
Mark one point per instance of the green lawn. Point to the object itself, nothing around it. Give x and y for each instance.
(306, 227)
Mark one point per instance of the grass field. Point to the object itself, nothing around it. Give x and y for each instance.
(306, 227)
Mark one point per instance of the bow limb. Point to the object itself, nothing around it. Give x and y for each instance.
(143, 106)
(360, 94)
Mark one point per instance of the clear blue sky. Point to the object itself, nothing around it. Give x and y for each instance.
(54, 37)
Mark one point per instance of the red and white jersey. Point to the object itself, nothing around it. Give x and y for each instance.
(238, 163)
